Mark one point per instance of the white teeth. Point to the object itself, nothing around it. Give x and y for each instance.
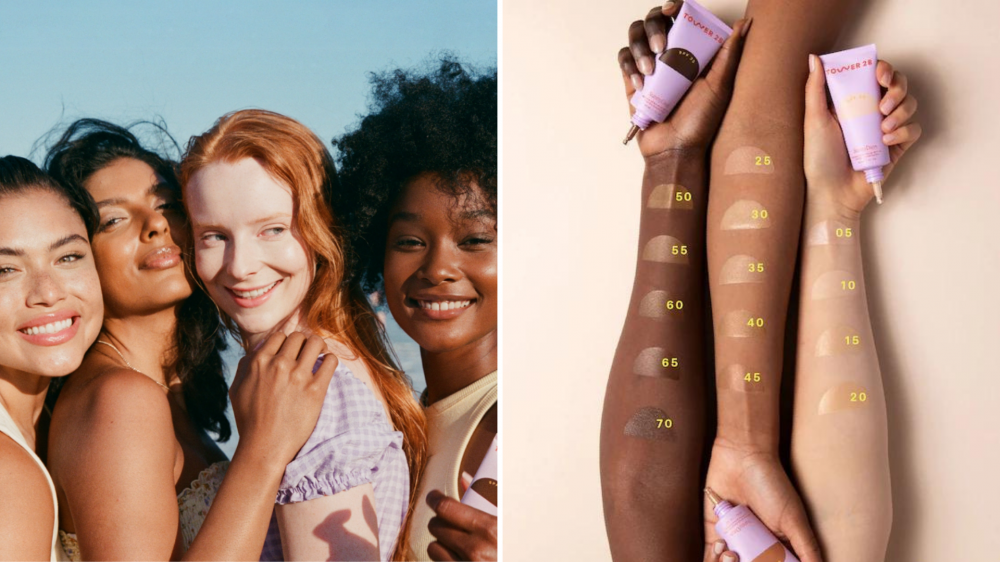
(254, 294)
(52, 328)
(443, 305)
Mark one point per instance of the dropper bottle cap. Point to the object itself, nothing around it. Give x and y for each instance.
(632, 132)
(719, 505)
(874, 176)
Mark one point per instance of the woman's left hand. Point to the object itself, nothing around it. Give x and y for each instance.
(829, 175)
(462, 532)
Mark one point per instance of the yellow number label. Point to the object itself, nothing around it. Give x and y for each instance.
(675, 305)
(681, 250)
(669, 362)
(756, 267)
(755, 322)
(752, 377)
(859, 397)
(844, 232)
(665, 423)
(682, 196)
(758, 214)
(852, 340)
(848, 285)
(762, 160)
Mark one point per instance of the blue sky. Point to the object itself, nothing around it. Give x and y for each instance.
(188, 63)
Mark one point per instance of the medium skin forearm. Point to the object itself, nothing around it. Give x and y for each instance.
(237, 523)
(839, 434)
(650, 472)
(755, 211)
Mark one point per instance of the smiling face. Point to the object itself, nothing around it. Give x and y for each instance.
(136, 247)
(247, 251)
(441, 267)
(50, 295)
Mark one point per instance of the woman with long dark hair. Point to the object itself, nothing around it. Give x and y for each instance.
(129, 450)
(50, 311)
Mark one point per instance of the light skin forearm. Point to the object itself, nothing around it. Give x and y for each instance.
(342, 526)
(839, 434)
(649, 465)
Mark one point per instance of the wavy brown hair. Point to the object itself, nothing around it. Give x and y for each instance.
(335, 306)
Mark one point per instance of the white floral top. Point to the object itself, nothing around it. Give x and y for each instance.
(193, 502)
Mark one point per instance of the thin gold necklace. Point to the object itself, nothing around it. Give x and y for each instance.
(129, 365)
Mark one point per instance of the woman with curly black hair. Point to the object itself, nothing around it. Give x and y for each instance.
(129, 451)
(419, 184)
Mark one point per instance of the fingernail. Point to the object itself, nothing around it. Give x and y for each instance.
(886, 78)
(636, 81)
(719, 547)
(657, 43)
(668, 5)
(730, 557)
(886, 107)
(889, 124)
(746, 27)
(888, 138)
(812, 65)
(645, 66)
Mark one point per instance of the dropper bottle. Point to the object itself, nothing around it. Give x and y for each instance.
(745, 534)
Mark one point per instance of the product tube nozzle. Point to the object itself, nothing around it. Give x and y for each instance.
(631, 133)
(877, 187)
(712, 497)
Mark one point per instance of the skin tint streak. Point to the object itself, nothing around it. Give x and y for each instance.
(665, 249)
(657, 362)
(748, 160)
(746, 215)
(671, 196)
(742, 269)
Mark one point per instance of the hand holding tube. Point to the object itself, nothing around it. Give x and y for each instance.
(693, 123)
(829, 176)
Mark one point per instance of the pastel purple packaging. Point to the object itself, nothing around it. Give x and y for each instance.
(850, 76)
(746, 535)
(692, 41)
(483, 493)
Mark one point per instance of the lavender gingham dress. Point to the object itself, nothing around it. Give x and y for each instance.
(353, 444)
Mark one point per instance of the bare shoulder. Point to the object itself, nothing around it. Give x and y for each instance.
(114, 409)
(26, 512)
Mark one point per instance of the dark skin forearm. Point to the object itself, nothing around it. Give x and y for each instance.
(649, 472)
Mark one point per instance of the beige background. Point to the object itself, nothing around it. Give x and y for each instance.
(570, 207)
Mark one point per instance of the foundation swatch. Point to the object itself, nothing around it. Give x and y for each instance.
(665, 249)
(740, 378)
(835, 285)
(644, 424)
(748, 160)
(670, 196)
(743, 324)
(654, 305)
(839, 340)
(847, 396)
(830, 232)
(657, 362)
(746, 215)
(742, 269)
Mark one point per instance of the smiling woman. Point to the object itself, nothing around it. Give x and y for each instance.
(50, 313)
(420, 183)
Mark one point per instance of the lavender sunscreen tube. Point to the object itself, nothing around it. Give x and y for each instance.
(482, 494)
(745, 534)
(850, 76)
(691, 43)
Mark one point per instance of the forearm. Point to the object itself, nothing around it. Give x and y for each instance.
(653, 422)
(237, 522)
(755, 211)
(839, 433)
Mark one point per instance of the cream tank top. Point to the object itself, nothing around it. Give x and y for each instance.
(450, 424)
(9, 428)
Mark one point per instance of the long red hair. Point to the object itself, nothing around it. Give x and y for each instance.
(334, 307)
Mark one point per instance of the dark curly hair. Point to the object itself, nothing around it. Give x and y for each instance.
(443, 122)
(88, 146)
(18, 175)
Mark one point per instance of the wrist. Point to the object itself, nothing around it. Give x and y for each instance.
(677, 156)
(819, 203)
(265, 461)
(748, 440)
